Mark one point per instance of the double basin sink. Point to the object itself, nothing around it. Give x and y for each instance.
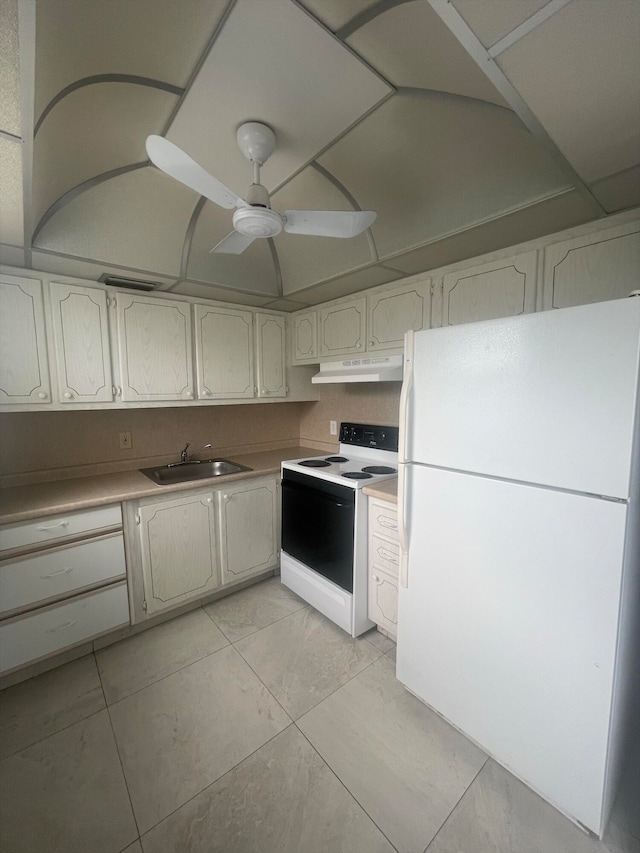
(183, 472)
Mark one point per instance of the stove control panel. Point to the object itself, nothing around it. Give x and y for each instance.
(368, 435)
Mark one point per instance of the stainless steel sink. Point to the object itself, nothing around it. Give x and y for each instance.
(182, 472)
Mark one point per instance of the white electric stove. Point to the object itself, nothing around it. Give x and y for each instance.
(324, 522)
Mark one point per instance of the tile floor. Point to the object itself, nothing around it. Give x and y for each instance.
(254, 724)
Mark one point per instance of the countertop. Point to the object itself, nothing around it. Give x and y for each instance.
(21, 503)
(387, 490)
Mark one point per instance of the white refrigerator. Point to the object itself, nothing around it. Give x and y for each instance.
(519, 495)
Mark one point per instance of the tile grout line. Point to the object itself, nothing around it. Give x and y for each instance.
(262, 627)
(459, 800)
(215, 781)
(351, 794)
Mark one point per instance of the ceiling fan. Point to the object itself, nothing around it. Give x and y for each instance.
(253, 217)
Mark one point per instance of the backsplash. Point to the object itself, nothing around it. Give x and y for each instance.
(41, 446)
(38, 446)
(375, 403)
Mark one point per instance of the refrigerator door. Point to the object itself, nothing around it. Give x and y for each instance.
(508, 625)
(545, 398)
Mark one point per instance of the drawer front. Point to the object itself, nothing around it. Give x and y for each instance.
(53, 527)
(31, 580)
(29, 638)
(383, 519)
(384, 555)
(383, 600)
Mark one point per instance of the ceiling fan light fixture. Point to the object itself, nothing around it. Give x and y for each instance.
(260, 222)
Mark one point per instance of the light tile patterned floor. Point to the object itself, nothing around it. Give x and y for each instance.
(255, 724)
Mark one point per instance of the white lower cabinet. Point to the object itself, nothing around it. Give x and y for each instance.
(191, 545)
(384, 565)
(248, 528)
(179, 550)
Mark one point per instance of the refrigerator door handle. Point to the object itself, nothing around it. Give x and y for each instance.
(402, 525)
(407, 384)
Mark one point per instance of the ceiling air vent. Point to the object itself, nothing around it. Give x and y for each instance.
(129, 283)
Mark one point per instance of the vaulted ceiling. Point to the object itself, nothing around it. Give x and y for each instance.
(467, 125)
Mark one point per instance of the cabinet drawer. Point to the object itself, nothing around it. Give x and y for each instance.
(42, 530)
(35, 579)
(383, 600)
(25, 639)
(383, 519)
(384, 555)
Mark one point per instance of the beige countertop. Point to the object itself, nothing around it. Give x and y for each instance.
(21, 503)
(387, 490)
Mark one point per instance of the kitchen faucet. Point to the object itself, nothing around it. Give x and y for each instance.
(184, 455)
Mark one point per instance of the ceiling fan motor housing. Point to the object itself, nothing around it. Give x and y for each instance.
(257, 222)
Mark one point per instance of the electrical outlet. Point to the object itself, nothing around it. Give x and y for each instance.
(333, 427)
(125, 441)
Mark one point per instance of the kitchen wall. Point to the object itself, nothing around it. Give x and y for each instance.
(40, 446)
(37, 446)
(375, 403)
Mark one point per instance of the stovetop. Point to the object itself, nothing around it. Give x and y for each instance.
(366, 455)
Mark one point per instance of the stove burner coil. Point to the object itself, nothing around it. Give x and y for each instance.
(315, 463)
(337, 459)
(379, 469)
(357, 475)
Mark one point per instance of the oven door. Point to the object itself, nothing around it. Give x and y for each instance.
(318, 526)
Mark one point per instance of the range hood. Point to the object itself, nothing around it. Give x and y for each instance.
(383, 369)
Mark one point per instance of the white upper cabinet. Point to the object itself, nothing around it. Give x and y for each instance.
(224, 352)
(592, 268)
(154, 339)
(394, 312)
(248, 528)
(81, 336)
(24, 368)
(343, 328)
(304, 337)
(503, 288)
(270, 355)
(179, 550)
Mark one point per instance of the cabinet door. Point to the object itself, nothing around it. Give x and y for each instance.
(248, 529)
(592, 268)
(24, 368)
(394, 312)
(81, 338)
(342, 328)
(154, 337)
(383, 600)
(179, 554)
(270, 350)
(224, 352)
(304, 337)
(503, 288)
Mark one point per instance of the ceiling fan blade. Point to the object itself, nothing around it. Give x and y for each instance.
(233, 244)
(175, 163)
(328, 223)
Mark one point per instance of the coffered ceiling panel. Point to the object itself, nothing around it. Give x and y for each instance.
(307, 260)
(411, 46)
(92, 131)
(9, 68)
(134, 220)
(258, 70)
(347, 284)
(438, 166)
(160, 39)
(336, 13)
(222, 294)
(491, 20)
(253, 270)
(11, 211)
(579, 71)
